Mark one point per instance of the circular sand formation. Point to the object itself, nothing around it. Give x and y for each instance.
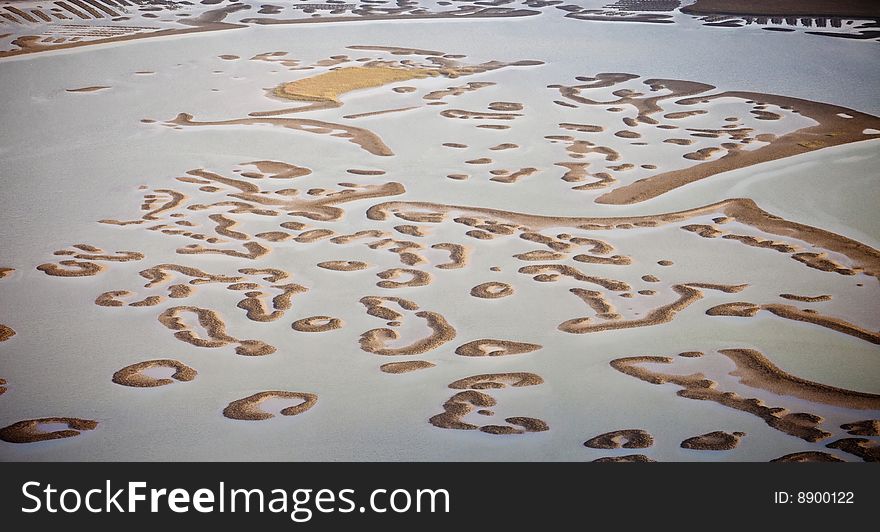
(249, 409)
(317, 324)
(133, 375)
(28, 431)
(492, 290)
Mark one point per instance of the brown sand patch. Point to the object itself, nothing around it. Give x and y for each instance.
(111, 299)
(785, 8)
(6, 332)
(418, 278)
(93, 88)
(713, 441)
(624, 459)
(505, 106)
(457, 91)
(539, 255)
(6, 272)
(583, 128)
(215, 329)
(374, 340)
(494, 348)
(492, 290)
(405, 367)
(504, 146)
(748, 310)
(397, 50)
(378, 113)
(684, 114)
(463, 403)
(411, 230)
(867, 450)
(831, 130)
(85, 267)
(257, 309)
(28, 431)
(697, 386)
(343, 265)
(478, 115)
(357, 171)
(228, 57)
(280, 170)
(317, 324)
(133, 375)
(808, 456)
(868, 427)
(598, 302)
(248, 408)
(375, 307)
(457, 255)
(513, 176)
(313, 235)
(625, 438)
(497, 380)
(366, 139)
(806, 299)
(569, 271)
(745, 211)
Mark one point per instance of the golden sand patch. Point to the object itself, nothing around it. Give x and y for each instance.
(328, 86)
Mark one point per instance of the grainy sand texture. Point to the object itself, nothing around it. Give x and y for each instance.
(629, 231)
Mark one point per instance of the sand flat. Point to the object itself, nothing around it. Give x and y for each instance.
(273, 267)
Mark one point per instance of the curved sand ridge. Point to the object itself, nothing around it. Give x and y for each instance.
(742, 210)
(624, 438)
(375, 340)
(755, 371)
(867, 450)
(747, 310)
(249, 408)
(215, 329)
(868, 427)
(463, 403)
(28, 431)
(86, 266)
(364, 138)
(133, 375)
